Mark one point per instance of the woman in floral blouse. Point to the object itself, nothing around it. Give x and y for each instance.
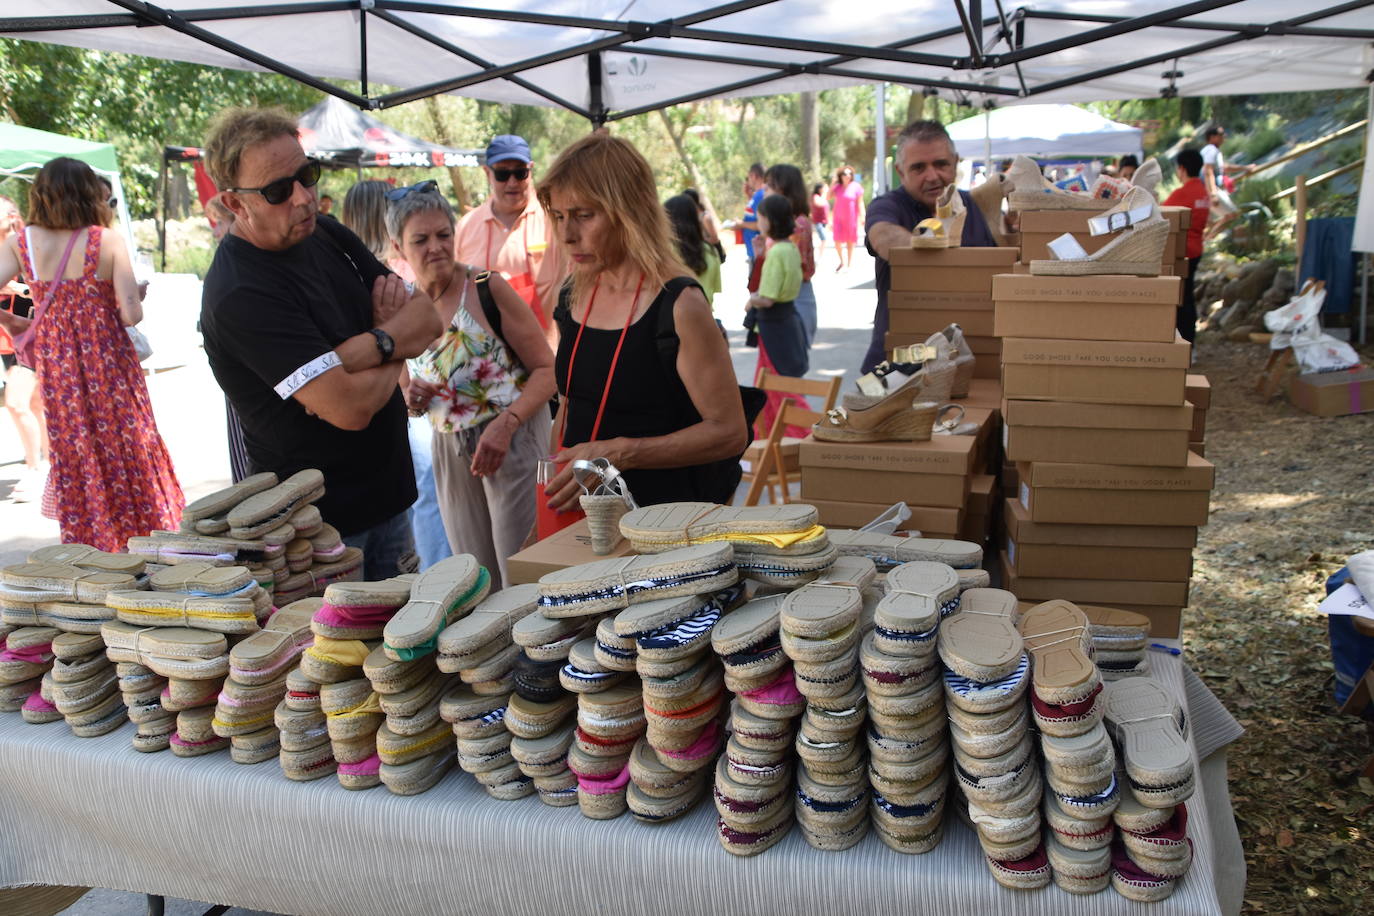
(485, 390)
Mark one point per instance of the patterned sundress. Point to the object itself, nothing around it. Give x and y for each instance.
(111, 477)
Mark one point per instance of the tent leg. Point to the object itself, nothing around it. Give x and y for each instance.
(879, 181)
(162, 220)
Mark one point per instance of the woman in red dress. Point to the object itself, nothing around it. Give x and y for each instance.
(111, 476)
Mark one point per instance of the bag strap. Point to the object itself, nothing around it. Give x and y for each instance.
(490, 309)
(41, 308)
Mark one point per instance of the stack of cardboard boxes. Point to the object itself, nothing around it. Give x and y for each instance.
(1107, 492)
(1040, 227)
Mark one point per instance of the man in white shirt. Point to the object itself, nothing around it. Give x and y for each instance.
(1214, 171)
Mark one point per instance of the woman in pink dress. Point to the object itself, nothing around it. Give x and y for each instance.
(111, 476)
(847, 214)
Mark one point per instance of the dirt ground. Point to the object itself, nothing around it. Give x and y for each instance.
(1293, 500)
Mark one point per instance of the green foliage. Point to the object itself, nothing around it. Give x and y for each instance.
(137, 103)
(190, 260)
(1261, 142)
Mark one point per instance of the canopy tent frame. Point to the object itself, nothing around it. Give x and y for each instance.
(819, 58)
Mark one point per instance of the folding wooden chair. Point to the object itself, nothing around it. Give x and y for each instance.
(785, 449)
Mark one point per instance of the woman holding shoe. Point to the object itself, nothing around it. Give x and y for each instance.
(644, 372)
(485, 385)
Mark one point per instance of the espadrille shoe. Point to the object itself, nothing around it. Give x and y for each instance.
(476, 638)
(745, 805)
(887, 551)
(306, 521)
(962, 357)
(549, 640)
(748, 641)
(583, 671)
(1029, 873)
(754, 767)
(446, 591)
(1079, 871)
(168, 651)
(1074, 832)
(268, 654)
(656, 810)
(820, 622)
(360, 610)
(993, 742)
(914, 370)
(903, 416)
(328, 661)
(896, 675)
(987, 697)
(1089, 807)
(762, 734)
(1030, 190)
(255, 747)
(1056, 636)
(934, 580)
(647, 771)
(1115, 629)
(304, 764)
(533, 680)
(268, 509)
(416, 775)
(300, 728)
(86, 557)
(1148, 175)
(602, 798)
(831, 818)
(992, 602)
(530, 720)
(792, 528)
(183, 693)
(67, 616)
(35, 582)
(243, 709)
(913, 814)
(546, 755)
(1167, 840)
(1134, 883)
(1137, 251)
(214, 508)
(1084, 759)
(778, 699)
(472, 715)
(170, 548)
(841, 716)
(980, 647)
(558, 790)
(603, 512)
(946, 228)
(1015, 773)
(154, 735)
(1152, 732)
(671, 629)
(998, 836)
(615, 584)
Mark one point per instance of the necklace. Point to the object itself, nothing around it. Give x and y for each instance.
(453, 276)
(615, 359)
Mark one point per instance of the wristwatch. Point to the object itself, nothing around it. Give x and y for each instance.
(385, 345)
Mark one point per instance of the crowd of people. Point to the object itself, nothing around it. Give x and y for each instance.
(428, 363)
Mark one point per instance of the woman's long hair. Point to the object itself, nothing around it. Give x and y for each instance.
(67, 194)
(608, 174)
(685, 218)
(364, 211)
(839, 174)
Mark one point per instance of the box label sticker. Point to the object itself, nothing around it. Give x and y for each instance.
(1025, 496)
(1011, 551)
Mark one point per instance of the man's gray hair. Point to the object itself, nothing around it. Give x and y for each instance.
(924, 132)
(400, 211)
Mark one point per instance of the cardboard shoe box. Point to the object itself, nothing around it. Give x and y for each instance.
(940, 300)
(1198, 391)
(1099, 494)
(1023, 530)
(1096, 371)
(949, 269)
(930, 521)
(876, 486)
(1334, 394)
(1096, 433)
(1059, 561)
(1110, 592)
(924, 322)
(1086, 308)
(569, 547)
(933, 473)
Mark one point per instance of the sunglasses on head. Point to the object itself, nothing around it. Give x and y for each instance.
(276, 192)
(423, 187)
(504, 175)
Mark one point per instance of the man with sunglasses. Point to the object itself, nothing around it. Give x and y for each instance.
(306, 332)
(509, 234)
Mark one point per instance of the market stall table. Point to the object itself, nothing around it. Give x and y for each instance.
(95, 812)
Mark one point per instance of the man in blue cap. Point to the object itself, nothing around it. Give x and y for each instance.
(508, 233)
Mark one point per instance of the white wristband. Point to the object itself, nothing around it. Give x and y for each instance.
(307, 373)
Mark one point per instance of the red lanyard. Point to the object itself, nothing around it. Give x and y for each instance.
(572, 358)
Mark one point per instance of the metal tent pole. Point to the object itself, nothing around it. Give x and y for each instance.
(879, 182)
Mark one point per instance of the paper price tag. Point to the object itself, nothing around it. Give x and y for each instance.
(1347, 600)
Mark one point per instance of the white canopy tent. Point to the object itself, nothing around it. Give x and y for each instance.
(609, 59)
(1043, 131)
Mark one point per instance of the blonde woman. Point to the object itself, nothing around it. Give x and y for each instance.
(644, 373)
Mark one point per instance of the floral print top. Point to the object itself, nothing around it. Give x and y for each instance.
(478, 377)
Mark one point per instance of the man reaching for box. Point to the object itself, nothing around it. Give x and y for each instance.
(926, 162)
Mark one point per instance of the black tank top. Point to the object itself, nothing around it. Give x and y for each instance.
(647, 398)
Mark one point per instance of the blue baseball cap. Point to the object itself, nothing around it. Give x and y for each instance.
(507, 146)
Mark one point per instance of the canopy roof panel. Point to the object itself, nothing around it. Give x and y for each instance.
(24, 147)
(608, 59)
(1043, 130)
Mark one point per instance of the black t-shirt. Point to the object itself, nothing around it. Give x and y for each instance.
(266, 314)
(897, 206)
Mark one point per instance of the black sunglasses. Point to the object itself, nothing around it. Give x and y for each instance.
(276, 192)
(504, 175)
(423, 187)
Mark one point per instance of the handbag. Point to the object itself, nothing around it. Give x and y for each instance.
(24, 344)
(142, 348)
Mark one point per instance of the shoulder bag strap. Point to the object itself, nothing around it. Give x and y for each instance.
(489, 307)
